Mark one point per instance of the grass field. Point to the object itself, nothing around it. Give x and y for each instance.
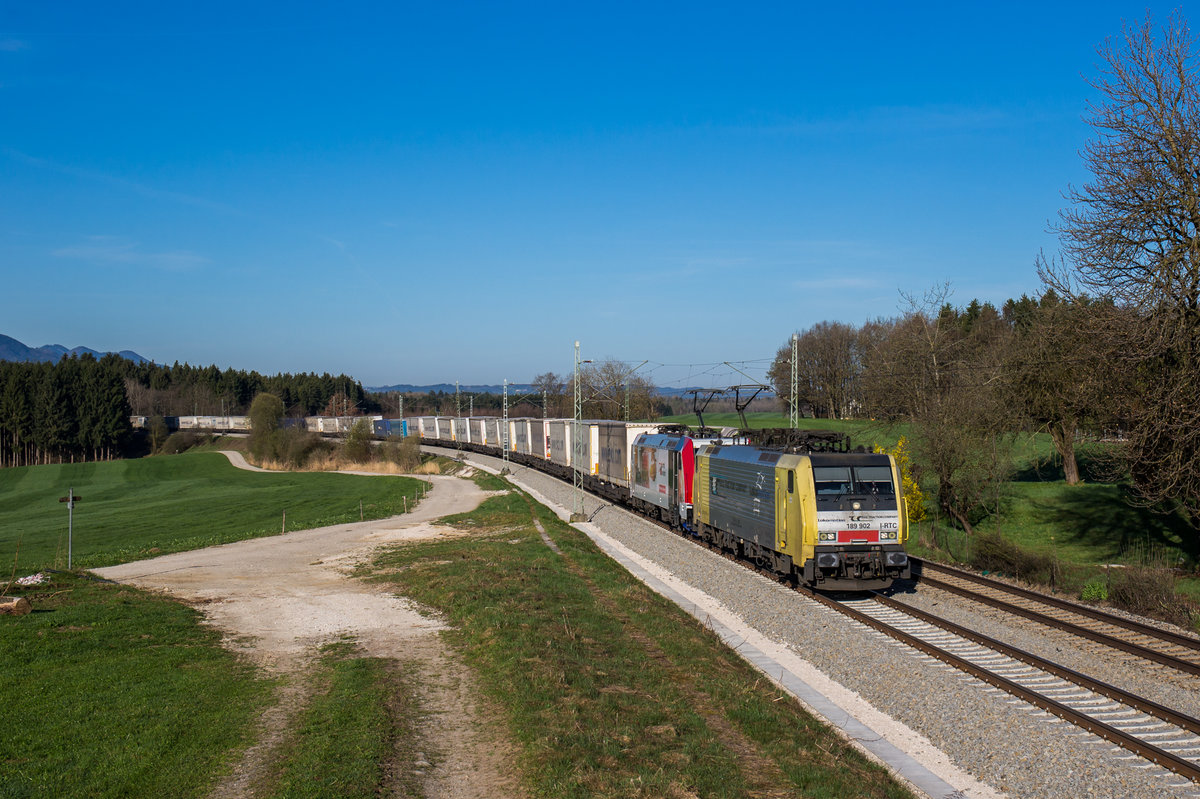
(139, 508)
(610, 690)
(113, 693)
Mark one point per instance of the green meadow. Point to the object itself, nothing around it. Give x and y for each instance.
(114, 693)
(111, 691)
(135, 509)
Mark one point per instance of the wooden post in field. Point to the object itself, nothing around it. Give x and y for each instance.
(283, 529)
(360, 511)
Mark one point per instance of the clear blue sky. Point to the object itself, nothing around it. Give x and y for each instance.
(451, 191)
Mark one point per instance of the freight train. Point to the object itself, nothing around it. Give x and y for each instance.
(321, 425)
(798, 503)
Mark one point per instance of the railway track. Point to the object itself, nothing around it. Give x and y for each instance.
(1157, 733)
(1179, 652)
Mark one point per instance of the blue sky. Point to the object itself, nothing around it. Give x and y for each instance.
(449, 191)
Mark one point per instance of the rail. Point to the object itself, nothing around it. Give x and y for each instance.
(1155, 754)
(1140, 650)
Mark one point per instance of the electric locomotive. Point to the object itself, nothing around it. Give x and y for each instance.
(831, 519)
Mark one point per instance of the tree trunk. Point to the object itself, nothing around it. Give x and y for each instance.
(961, 519)
(1063, 434)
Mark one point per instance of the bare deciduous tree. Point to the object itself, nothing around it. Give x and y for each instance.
(553, 388)
(610, 388)
(829, 365)
(1133, 234)
(939, 369)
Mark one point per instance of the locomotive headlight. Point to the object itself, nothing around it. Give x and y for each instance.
(856, 505)
(827, 536)
(887, 534)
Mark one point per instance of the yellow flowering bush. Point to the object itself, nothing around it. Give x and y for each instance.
(914, 497)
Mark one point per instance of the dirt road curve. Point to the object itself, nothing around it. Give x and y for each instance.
(278, 599)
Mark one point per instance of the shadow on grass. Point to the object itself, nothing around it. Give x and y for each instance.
(1121, 532)
(1095, 466)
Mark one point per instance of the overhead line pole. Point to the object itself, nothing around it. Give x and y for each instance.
(794, 409)
(576, 428)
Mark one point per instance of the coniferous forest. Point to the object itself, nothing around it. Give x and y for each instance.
(78, 409)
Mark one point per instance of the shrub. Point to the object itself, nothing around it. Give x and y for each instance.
(993, 552)
(1094, 590)
(358, 442)
(265, 413)
(406, 454)
(1150, 592)
(293, 446)
(181, 441)
(914, 497)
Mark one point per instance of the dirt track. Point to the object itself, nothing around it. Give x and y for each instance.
(278, 599)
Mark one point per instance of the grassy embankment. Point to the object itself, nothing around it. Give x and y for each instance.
(114, 692)
(609, 689)
(140, 508)
(1078, 529)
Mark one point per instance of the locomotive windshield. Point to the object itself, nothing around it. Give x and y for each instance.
(873, 480)
(832, 480)
(838, 480)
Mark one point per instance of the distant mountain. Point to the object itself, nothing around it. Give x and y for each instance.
(13, 350)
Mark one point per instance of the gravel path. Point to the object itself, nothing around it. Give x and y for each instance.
(1005, 743)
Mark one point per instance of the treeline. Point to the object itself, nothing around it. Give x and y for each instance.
(182, 390)
(72, 410)
(609, 389)
(967, 378)
(78, 409)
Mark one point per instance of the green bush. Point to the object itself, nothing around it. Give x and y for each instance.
(1094, 590)
(358, 442)
(265, 413)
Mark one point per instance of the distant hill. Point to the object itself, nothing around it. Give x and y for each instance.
(513, 388)
(448, 388)
(13, 350)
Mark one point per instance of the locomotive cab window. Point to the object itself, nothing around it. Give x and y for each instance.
(832, 480)
(873, 480)
(857, 480)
